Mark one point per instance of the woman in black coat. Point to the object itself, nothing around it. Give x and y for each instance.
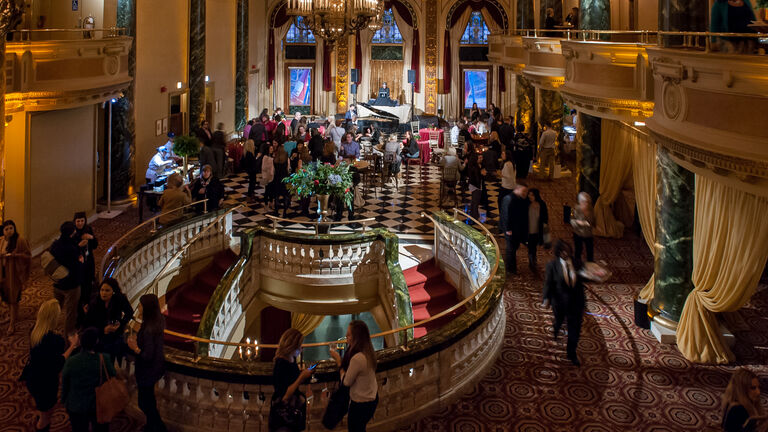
(109, 312)
(208, 186)
(87, 243)
(150, 359)
(46, 359)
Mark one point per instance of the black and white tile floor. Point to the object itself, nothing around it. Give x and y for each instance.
(397, 209)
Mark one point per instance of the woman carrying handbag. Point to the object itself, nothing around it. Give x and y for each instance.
(288, 412)
(358, 374)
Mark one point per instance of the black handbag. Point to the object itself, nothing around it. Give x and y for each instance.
(338, 406)
(291, 414)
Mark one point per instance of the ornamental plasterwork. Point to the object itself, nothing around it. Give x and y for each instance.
(624, 109)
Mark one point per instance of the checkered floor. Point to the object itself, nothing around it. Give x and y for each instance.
(395, 208)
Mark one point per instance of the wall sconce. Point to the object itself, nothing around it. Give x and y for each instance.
(178, 85)
(206, 78)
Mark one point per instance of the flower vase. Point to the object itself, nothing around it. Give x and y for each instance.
(322, 211)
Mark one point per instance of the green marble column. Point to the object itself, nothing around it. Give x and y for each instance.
(588, 154)
(683, 15)
(196, 63)
(551, 112)
(526, 105)
(595, 14)
(525, 17)
(241, 65)
(674, 239)
(123, 115)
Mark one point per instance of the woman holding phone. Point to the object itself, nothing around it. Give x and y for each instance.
(286, 380)
(358, 372)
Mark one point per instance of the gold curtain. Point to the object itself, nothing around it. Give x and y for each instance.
(616, 151)
(306, 323)
(730, 249)
(644, 173)
(389, 71)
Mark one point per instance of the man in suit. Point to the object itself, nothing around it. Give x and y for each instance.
(564, 291)
(517, 225)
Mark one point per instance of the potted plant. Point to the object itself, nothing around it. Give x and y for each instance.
(186, 146)
(322, 180)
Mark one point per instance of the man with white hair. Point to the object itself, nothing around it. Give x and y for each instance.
(295, 123)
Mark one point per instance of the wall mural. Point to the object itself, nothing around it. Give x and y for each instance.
(301, 86)
(476, 88)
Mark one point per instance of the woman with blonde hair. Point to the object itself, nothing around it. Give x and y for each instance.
(46, 359)
(741, 403)
(286, 380)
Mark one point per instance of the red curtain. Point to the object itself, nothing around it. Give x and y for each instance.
(447, 62)
(280, 18)
(327, 82)
(358, 57)
(415, 59)
(502, 80)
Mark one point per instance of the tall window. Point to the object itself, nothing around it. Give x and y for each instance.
(297, 35)
(388, 33)
(476, 32)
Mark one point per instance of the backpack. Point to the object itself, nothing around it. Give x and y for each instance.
(52, 268)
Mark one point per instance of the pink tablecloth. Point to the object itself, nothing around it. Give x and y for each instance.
(424, 151)
(424, 136)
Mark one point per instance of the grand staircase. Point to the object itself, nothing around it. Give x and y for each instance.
(187, 303)
(430, 295)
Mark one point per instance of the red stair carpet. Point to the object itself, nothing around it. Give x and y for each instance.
(430, 295)
(187, 303)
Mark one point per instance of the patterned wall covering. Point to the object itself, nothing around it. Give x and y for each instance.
(342, 71)
(430, 97)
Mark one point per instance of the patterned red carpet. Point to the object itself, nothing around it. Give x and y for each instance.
(627, 381)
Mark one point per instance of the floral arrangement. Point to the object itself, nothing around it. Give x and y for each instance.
(322, 179)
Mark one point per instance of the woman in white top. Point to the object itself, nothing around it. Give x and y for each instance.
(358, 372)
(508, 184)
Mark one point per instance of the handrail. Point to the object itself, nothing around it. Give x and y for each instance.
(186, 246)
(112, 31)
(316, 224)
(153, 220)
(465, 301)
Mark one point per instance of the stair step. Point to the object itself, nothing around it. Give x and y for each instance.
(432, 290)
(422, 272)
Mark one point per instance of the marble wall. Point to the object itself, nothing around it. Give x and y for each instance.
(588, 154)
(673, 266)
(526, 105)
(123, 116)
(683, 15)
(196, 63)
(241, 65)
(525, 17)
(595, 14)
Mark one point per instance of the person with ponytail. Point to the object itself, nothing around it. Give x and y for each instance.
(46, 359)
(358, 372)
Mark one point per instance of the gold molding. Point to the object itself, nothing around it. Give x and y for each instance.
(342, 67)
(430, 87)
(54, 100)
(623, 108)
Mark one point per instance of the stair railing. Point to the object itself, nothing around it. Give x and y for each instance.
(166, 268)
(317, 224)
(111, 254)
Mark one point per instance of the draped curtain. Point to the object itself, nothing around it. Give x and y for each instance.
(322, 88)
(730, 249)
(306, 323)
(452, 79)
(364, 91)
(616, 152)
(644, 173)
(494, 92)
(406, 30)
(278, 87)
(390, 71)
(508, 101)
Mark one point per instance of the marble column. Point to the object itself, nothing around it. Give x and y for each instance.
(595, 14)
(525, 19)
(551, 111)
(526, 105)
(588, 154)
(11, 11)
(241, 65)
(123, 115)
(196, 63)
(674, 239)
(683, 15)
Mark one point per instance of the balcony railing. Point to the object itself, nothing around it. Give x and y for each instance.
(27, 35)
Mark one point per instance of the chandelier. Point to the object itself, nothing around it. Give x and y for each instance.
(332, 20)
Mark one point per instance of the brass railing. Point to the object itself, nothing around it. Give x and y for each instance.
(26, 35)
(477, 292)
(111, 254)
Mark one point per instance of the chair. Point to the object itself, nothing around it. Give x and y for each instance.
(434, 142)
(448, 173)
(388, 165)
(415, 128)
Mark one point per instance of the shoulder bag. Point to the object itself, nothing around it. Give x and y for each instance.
(291, 414)
(111, 395)
(338, 406)
(52, 268)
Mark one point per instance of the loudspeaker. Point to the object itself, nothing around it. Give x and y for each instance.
(353, 87)
(353, 75)
(411, 76)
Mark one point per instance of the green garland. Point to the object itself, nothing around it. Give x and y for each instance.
(322, 179)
